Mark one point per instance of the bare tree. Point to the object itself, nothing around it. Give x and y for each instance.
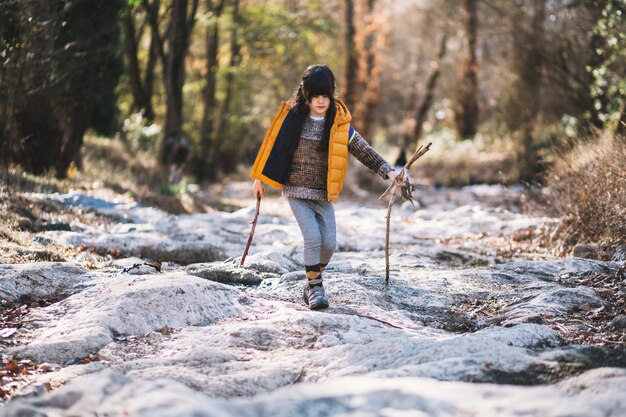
(529, 64)
(468, 111)
(427, 100)
(202, 169)
(372, 69)
(235, 60)
(352, 56)
(180, 25)
(58, 83)
(142, 87)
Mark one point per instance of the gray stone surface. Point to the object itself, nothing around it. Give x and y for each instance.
(41, 280)
(124, 305)
(208, 338)
(596, 393)
(589, 251)
(619, 322)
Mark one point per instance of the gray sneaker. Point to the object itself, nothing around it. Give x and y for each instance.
(315, 297)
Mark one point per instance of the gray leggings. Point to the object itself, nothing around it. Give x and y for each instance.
(316, 219)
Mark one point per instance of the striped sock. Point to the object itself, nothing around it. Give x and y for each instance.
(313, 274)
(322, 267)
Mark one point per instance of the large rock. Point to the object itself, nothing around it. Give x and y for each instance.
(124, 305)
(273, 261)
(589, 251)
(226, 272)
(620, 254)
(147, 245)
(619, 322)
(42, 280)
(552, 303)
(593, 394)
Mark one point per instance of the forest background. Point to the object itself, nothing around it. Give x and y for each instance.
(529, 92)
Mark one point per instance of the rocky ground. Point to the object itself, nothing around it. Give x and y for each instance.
(146, 313)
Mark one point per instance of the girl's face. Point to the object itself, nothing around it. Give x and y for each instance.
(319, 105)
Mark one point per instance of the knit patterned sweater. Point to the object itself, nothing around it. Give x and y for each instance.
(309, 166)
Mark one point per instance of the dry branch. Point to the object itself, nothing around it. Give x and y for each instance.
(406, 190)
(253, 223)
(391, 200)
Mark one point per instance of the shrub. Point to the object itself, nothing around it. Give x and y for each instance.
(138, 135)
(588, 188)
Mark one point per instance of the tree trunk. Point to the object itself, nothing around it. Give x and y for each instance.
(11, 75)
(530, 48)
(175, 67)
(182, 19)
(64, 80)
(235, 60)
(148, 81)
(424, 108)
(468, 113)
(72, 143)
(352, 63)
(365, 108)
(141, 98)
(202, 165)
(422, 111)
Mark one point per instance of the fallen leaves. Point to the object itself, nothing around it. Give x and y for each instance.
(15, 373)
(89, 359)
(587, 324)
(13, 315)
(524, 234)
(12, 367)
(595, 326)
(480, 312)
(527, 243)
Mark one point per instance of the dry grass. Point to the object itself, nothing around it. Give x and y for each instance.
(587, 187)
(111, 164)
(108, 168)
(456, 163)
(107, 163)
(20, 218)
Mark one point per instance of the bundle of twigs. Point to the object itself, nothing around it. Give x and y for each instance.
(406, 190)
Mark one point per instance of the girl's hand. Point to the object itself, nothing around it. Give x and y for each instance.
(393, 176)
(258, 189)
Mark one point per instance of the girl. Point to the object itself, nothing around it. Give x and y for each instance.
(305, 152)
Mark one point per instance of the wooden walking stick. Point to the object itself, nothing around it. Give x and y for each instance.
(407, 193)
(253, 223)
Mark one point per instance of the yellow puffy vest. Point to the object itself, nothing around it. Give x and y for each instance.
(337, 149)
